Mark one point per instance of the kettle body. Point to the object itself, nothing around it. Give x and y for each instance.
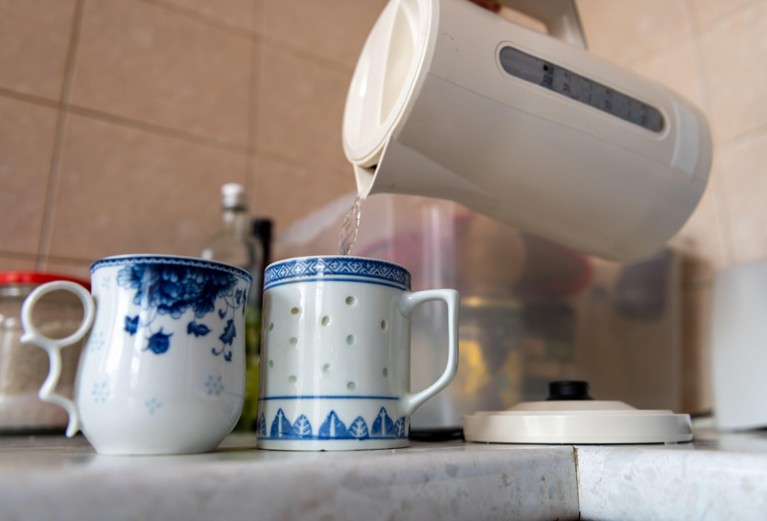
(451, 101)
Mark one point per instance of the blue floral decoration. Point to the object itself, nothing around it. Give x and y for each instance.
(227, 338)
(229, 333)
(214, 385)
(131, 324)
(171, 290)
(197, 329)
(159, 342)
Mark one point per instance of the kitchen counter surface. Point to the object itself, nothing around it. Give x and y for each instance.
(719, 476)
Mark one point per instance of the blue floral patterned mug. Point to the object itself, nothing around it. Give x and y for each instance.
(163, 370)
(335, 354)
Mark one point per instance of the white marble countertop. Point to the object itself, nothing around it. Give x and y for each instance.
(719, 476)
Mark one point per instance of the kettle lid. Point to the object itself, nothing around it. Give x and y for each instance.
(577, 422)
(384, 78)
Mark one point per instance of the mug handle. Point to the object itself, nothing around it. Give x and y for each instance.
(409, 301)
(53, 345)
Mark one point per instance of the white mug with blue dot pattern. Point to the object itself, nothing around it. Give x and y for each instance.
(163, 371)
(335, 359)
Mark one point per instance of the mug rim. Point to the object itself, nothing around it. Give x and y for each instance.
(159, 258)
(397, 276)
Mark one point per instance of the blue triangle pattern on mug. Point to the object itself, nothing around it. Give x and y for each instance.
(261, 426)
(333, 428)
(280, 426)
(383, 426)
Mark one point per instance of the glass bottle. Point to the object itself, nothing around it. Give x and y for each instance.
(233, 244)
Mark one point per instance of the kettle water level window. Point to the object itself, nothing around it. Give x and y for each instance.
(567, 83)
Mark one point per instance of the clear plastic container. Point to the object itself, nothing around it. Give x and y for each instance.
(23, 368)
(532, 311)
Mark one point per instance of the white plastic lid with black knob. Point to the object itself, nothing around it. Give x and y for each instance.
(570, 416)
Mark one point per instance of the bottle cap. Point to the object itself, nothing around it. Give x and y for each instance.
(233, 196)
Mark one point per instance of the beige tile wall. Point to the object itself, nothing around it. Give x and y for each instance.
(119, 119)
(146, 63)
(34, 37)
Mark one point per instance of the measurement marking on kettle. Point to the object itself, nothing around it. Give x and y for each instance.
(579, 88)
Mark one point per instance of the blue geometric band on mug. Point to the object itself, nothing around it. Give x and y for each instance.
(342, 268)
(333, 428)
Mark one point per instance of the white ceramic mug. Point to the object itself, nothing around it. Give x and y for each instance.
(335, 359)
(163, 369)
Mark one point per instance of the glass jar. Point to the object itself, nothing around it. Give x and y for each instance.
(23, 368)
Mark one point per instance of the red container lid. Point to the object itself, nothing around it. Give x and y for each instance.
(37, 278)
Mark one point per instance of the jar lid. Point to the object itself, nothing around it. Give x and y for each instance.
(37, 277)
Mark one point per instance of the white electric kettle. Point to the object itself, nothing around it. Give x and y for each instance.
(452, 101)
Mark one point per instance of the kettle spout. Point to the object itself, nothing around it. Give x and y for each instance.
(364, 175)
(402, 170)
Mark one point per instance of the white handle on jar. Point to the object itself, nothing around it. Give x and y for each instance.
(53, 345)
(409, 301)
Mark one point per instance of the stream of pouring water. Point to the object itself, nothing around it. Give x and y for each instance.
(350, 228)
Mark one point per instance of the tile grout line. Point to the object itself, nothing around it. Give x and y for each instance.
(72, 261)
(146, 127)
(255, 34)
(286, 47)
(54, 173)
(279, 158)
(151, 128)
(157, 130)
(75, 261)
(743, 136)
(203, 18)
(17, 255)
(253, 110)
(577, 481)
(30, 98)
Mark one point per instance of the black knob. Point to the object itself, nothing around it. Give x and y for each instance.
(569, 390)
